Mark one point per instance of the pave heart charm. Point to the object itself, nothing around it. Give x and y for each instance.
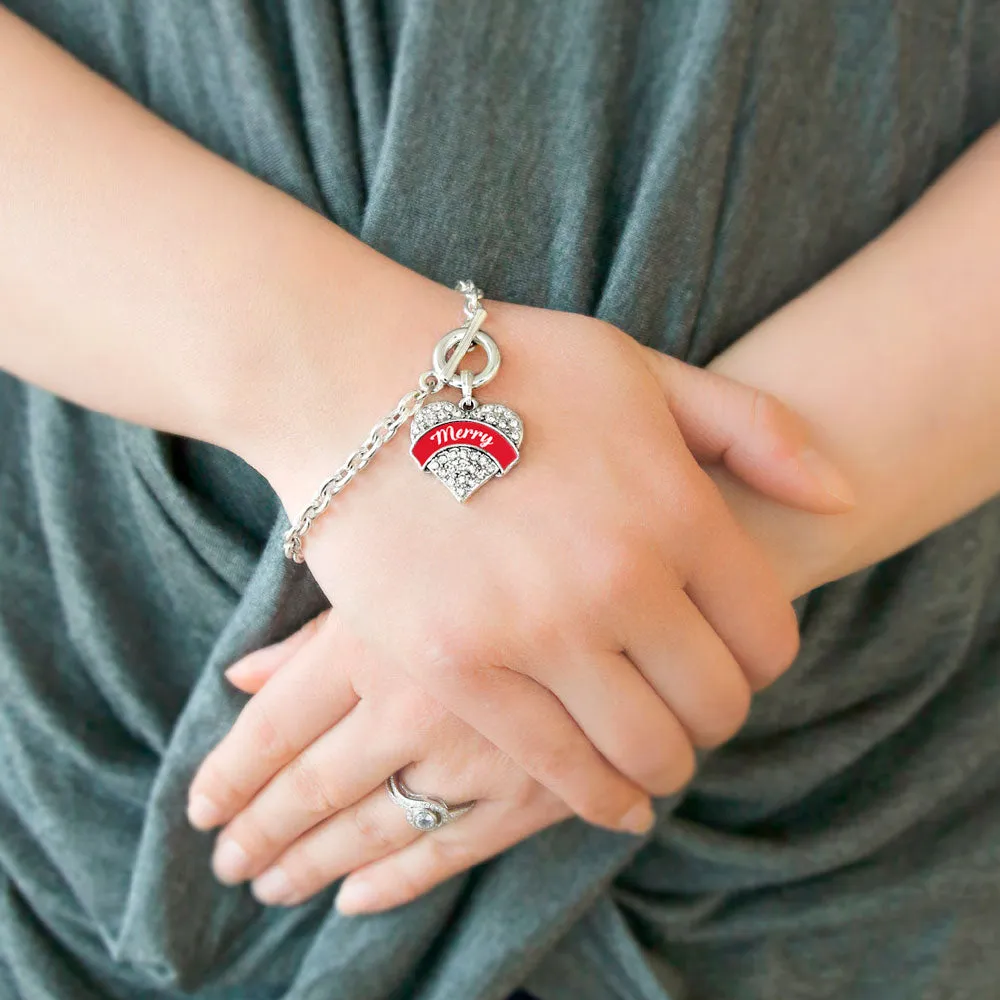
(465, 447)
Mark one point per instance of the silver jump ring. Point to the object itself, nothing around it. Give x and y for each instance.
(452, 339)
(423, 812)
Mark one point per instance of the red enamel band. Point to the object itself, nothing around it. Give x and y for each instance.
(473, 433)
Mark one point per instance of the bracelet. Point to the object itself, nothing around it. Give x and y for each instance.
(463, 444)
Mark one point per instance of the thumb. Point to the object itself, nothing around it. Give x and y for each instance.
(757, 437)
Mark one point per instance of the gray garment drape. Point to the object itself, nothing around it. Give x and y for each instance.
(681, 169)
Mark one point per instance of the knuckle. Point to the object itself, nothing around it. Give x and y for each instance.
(451, 854)
(216, 781)
(599, 801)
(555, 764)
(600, 811)
(251, 834)
(614, 568)
(305, 872)
(782, 649)
(371, 829)
(525, 795)
(542, 628)
(788, 641)
(453, 655)
(671, 772)
(677, 772)
(446, 653)
(685, 764)
(267, 739)
(309, 788)
(667, 770)
(766, 412)
(559, 768)
(417, 713)
(730, 711)
(780, 426)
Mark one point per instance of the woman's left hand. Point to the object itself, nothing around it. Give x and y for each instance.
(309, 826)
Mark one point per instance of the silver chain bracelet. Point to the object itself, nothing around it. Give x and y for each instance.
(462, 444)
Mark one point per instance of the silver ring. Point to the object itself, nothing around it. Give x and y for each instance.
(453, 339)
(423, 812)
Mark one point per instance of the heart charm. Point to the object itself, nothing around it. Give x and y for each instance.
(465, 448)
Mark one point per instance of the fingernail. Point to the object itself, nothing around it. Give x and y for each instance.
(639, 819)
(356, 896)
(230, 862)
(272, 887)
(827, 475)
(203, 813)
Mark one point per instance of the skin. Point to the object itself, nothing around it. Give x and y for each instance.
(209, 312)
(915, 311)
(554, 597)
(569, 679)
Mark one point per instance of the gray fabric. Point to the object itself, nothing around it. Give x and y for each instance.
(680, 169)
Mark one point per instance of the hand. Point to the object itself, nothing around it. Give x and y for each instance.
(357, 828)
(597, 639)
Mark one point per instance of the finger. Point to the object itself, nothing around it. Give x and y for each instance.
(251, 677)
(529, 724)
(331, 774)
(686, 663)
(626, 719)
(758, 438)
(251, 672)
(304, 700)
(365, 832)
(401, 877)
(739, 595)
(376, 825)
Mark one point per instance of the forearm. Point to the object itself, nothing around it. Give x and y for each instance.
(143, 276)
(894, 359)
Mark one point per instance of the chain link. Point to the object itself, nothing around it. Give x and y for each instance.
(380, 434)
(473, 297)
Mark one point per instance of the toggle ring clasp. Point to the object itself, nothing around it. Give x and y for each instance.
(445, 367)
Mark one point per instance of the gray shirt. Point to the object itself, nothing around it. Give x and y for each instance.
(680, 169)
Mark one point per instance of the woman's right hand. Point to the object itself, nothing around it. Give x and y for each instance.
(597, 612)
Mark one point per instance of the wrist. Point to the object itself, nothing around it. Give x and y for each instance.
(345, 333)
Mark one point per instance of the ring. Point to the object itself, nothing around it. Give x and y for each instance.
(423, 812)
(454, 339)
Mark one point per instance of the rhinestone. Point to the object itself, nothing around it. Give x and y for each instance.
(495, 414)
(426, 819)
(463, 469)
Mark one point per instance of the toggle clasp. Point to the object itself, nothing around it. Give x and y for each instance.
(453, 346)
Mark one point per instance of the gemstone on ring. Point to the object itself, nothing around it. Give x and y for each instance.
(423, 812)
(425, 819)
